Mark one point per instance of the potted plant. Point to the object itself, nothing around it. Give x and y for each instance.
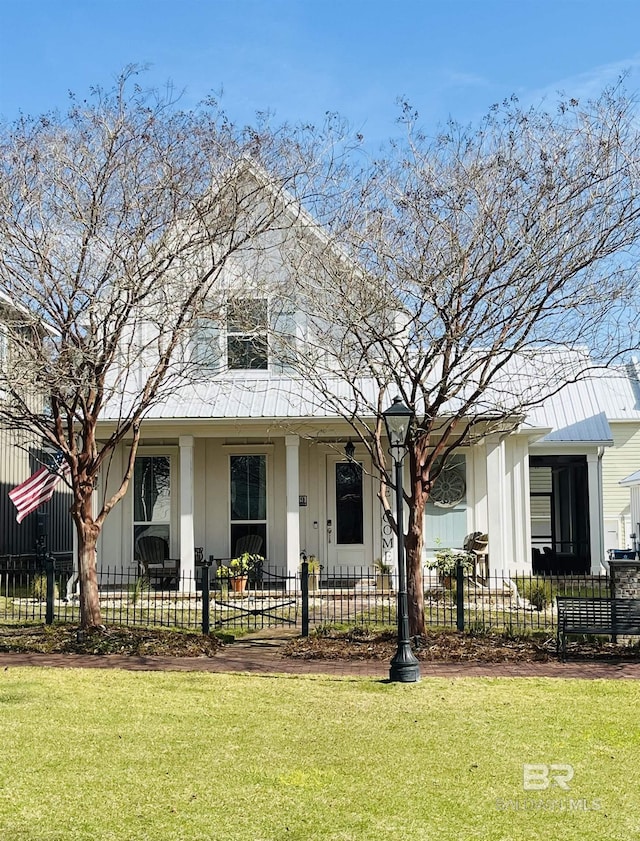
(223, 574)
(383, 574)
(313, 567)
(237, 573)
(446, 562)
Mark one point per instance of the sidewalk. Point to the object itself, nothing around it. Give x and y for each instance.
(260, 655)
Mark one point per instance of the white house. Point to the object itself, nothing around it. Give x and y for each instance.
(633, 483)
(252, 448)
(256, 453)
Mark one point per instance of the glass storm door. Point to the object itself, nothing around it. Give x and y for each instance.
(348, 527)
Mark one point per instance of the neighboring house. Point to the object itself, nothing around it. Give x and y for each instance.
(622, 406)
(19, 458)
(632, 482)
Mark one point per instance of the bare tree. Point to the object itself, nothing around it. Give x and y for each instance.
(464, 266)
(117, 220)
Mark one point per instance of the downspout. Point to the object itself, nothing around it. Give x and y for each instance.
(604, 561)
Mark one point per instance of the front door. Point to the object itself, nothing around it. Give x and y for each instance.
(349, 528)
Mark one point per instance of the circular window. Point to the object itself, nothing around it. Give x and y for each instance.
(448, 489)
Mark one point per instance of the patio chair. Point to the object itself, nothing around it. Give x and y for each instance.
(477, 543)
(155, 562)
(251, 543)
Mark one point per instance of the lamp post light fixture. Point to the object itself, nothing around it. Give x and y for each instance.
(349, 449)
(404, 665)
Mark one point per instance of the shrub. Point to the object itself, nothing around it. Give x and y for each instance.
(447, 561)
(141, 586)
(39, 588)
(478, 628)
(539, 593)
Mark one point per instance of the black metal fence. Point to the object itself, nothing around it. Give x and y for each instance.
(38, 591)
(518, 603)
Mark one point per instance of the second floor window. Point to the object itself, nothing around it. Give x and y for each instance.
(247, 325)
(246, 334)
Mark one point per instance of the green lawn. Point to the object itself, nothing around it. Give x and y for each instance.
(128, 756)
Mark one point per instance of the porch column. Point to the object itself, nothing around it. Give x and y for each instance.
(187, 564)
(292, 448)
(521, 507)
(596, 516)
(496, 479)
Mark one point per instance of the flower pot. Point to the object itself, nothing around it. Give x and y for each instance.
(313, 579)
(383, 581)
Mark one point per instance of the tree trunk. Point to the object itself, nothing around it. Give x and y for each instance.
(413, 550)
(90, 616)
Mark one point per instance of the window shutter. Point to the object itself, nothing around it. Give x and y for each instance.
(284, 341)
(205, 345)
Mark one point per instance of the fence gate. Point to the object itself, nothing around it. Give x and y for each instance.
(262, 599)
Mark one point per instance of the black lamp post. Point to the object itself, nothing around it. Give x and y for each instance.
(404, 665)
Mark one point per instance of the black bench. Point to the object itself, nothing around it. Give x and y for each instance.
(579, 615)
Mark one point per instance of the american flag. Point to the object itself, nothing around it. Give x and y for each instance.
(38, 488)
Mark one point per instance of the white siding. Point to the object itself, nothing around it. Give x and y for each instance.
(617, 463)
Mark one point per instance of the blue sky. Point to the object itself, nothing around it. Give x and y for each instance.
(301, 58)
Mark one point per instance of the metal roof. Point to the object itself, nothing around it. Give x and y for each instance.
(620, 392)
(242, 398)
(582, 411)
(574, 415)
(579, 413)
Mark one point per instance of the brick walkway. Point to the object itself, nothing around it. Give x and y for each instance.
(263, 656)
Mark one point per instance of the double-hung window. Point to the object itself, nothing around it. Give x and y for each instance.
(247, 331)
(152, 501)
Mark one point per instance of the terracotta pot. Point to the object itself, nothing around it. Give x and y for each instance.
(238, 583)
